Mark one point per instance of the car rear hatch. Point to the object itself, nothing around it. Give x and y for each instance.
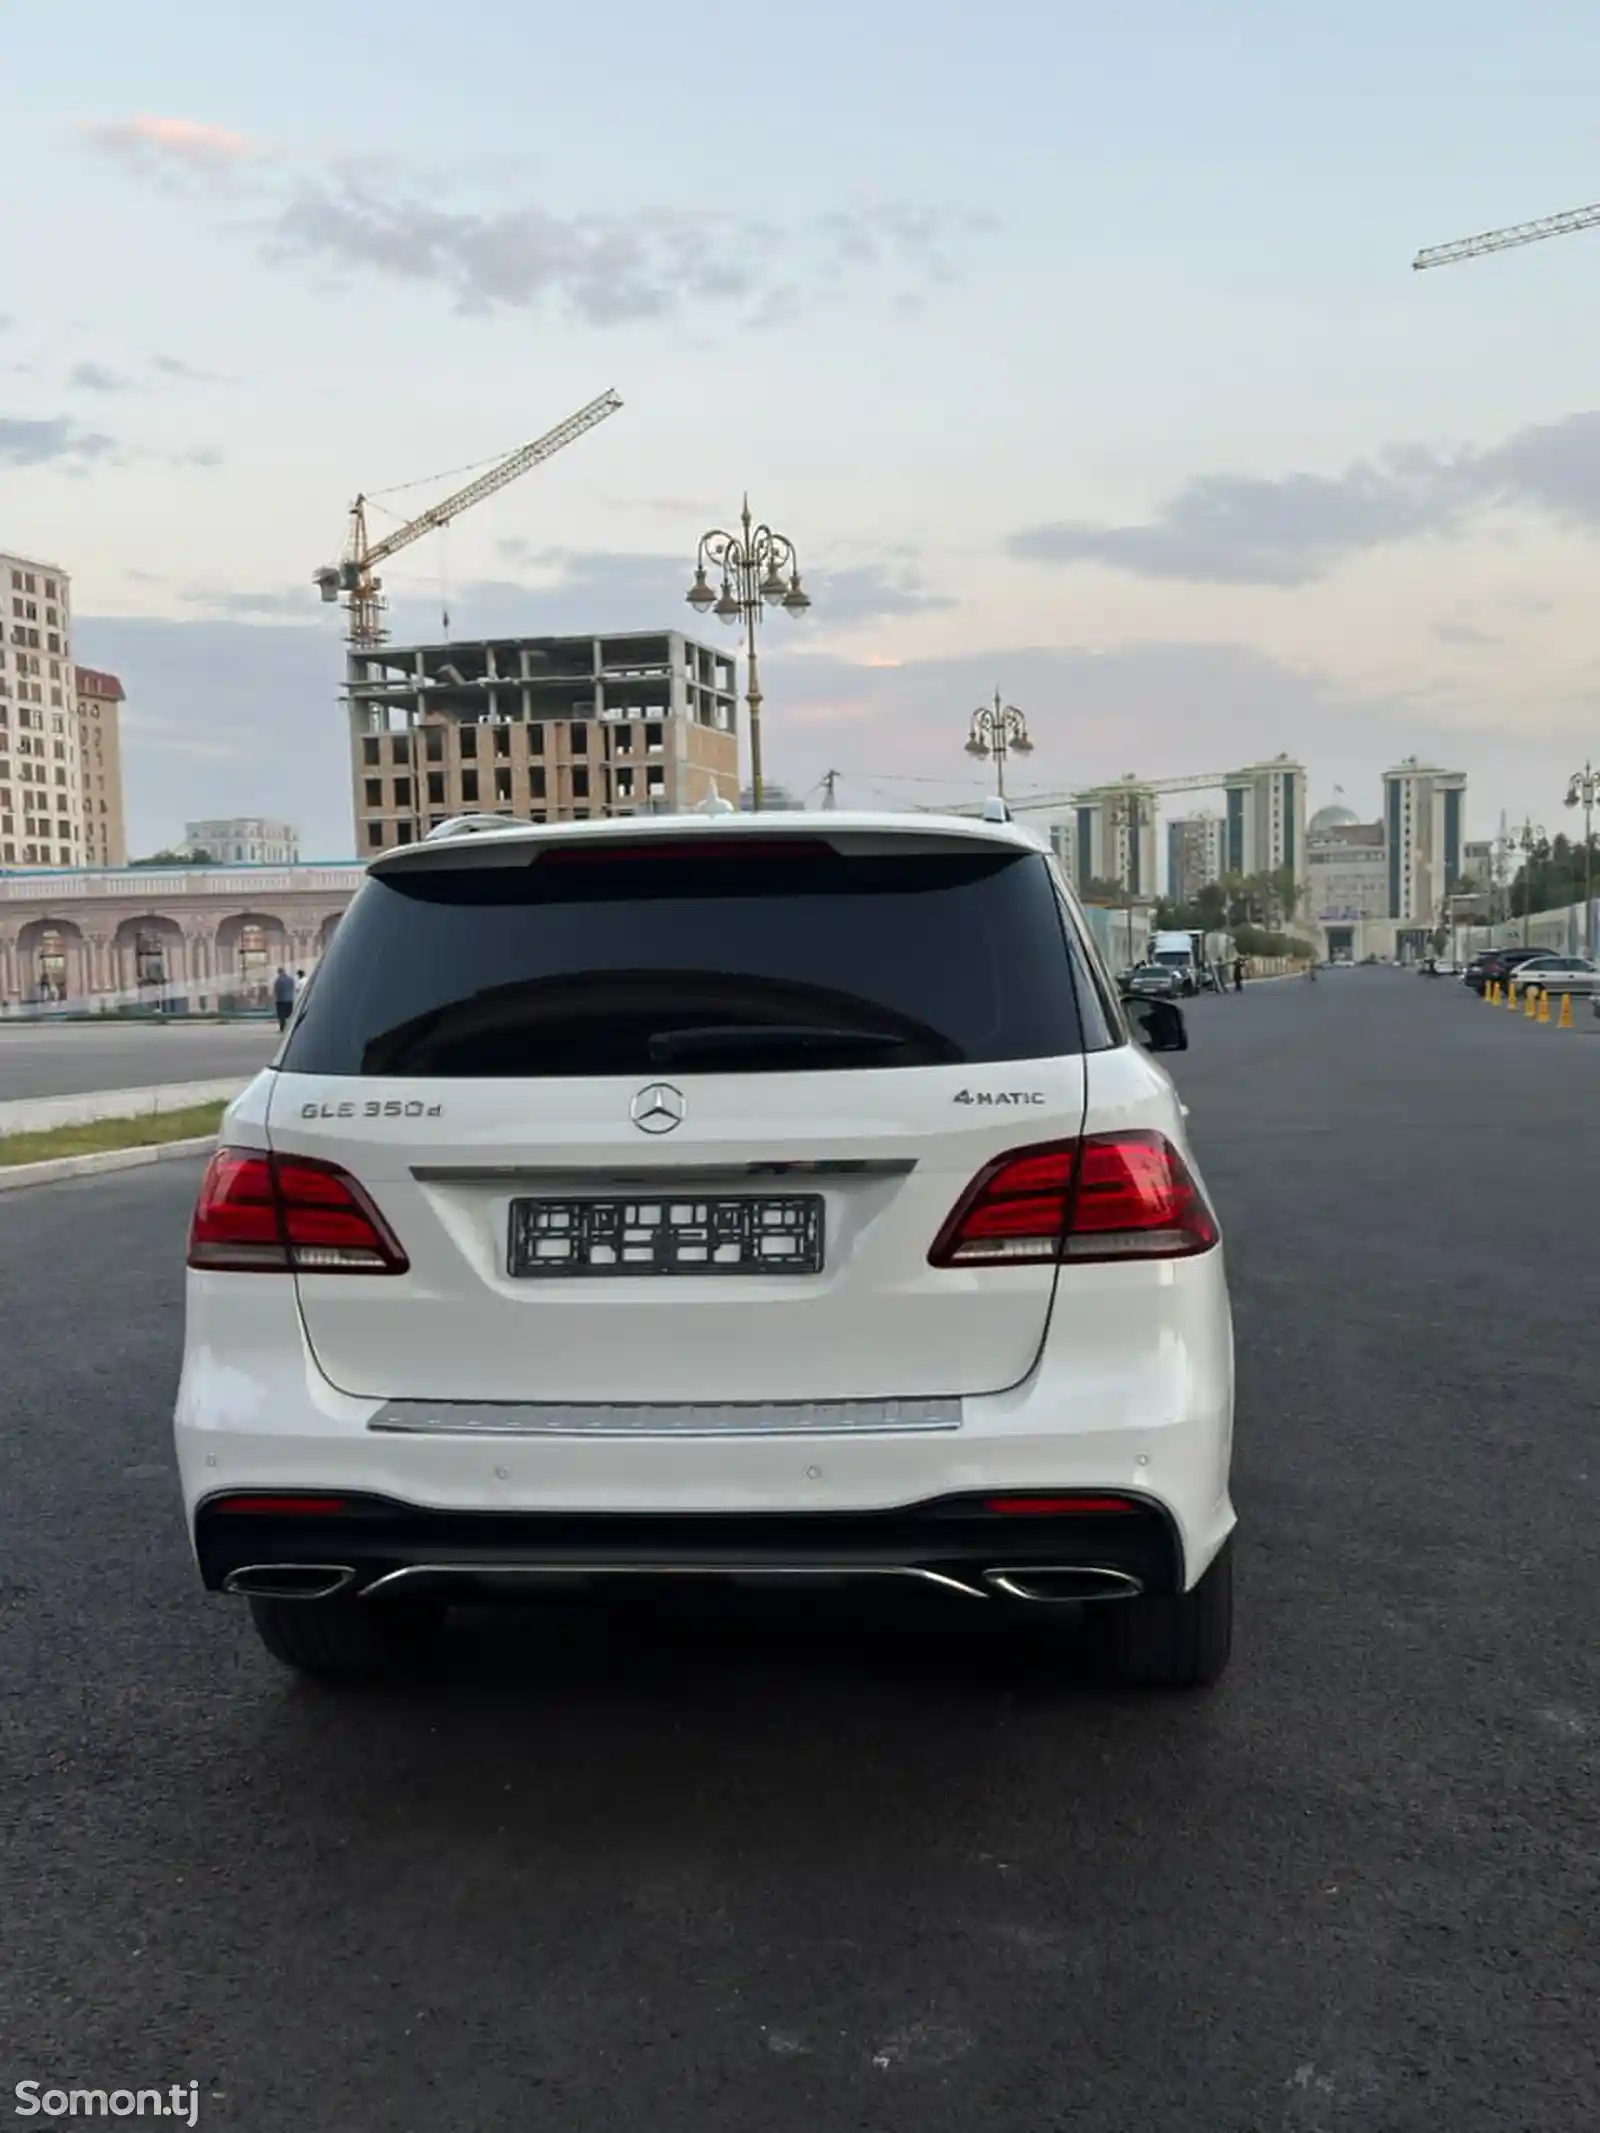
(679, 1118)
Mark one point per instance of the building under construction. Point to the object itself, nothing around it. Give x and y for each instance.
(552, 729)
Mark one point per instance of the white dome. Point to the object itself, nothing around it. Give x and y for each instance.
(1328, 818)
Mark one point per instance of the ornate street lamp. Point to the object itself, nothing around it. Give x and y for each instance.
(1583, 790)
(998, 729)
(1529, 840)
(757, 568)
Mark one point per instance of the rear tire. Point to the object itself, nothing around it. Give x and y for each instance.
(1168, 1641)
(344, 1638)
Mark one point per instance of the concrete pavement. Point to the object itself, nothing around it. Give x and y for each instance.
(819, 1875)
(70, 1059)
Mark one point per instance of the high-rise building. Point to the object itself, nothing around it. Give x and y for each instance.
(1266, 819)
(100, 698)
(1194, 855)
(245, 841)
(1424, 809)
(1113, 839)
(41, 797)
(555, 729)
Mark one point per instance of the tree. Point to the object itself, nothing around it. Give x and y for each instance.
(175, 859)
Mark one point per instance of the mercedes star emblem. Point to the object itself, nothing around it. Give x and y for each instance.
(658, 1109)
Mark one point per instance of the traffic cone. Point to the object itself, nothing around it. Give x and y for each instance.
(1511, 996)
(1564, 1020)
(1544, 1007)
(1531, 1011)
(1491, 992)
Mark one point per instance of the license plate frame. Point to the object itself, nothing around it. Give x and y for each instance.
(666, 1236)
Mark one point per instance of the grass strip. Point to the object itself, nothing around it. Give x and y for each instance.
(150, 1130)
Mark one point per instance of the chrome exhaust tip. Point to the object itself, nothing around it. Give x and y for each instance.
(289, 1581)
(1056, 1582)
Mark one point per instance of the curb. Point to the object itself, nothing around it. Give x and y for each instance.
(43, 1114)
(19, 1175)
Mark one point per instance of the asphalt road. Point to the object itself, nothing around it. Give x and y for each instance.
(837, 1877)
(71, 1059)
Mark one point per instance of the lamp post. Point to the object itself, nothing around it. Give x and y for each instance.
(1528, 841)
(998, 729)
(1583, 790)
(752, 564)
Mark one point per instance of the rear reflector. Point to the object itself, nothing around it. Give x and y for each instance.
(282, 1506)
(287, 1214)
(1110, 1196)
(1058, 1506)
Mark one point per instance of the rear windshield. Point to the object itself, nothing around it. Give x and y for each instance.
(591, 960)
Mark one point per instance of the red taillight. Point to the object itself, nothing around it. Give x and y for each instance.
(1112, 1196)
(287, 1214)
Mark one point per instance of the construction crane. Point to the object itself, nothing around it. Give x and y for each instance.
(1444, 255)
(355, 579)
(1202, 781)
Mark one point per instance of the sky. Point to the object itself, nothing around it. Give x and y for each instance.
(1078, 351)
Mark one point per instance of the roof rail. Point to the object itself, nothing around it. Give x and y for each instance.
(469, 826)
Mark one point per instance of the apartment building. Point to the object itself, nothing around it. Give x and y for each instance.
(245, 841)
(1194, 855)
(1112, 837)
(41, 794)
(99, 699)
(555, 729)
(1424, 810)
(1266, 819)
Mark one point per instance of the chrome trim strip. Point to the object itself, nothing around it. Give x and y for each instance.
(605, 1176)
(759, 1418)
(557, 1571)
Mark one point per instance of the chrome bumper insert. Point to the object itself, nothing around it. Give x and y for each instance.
(761, 1418)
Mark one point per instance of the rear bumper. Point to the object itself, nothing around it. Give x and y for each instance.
(373, 1545)
(1146, 1414)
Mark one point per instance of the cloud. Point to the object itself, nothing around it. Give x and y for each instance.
(96, 378)
(1462, 633)
(57, 441)
(51, 441)
(284, 605)
(596, 589)
(1232, 529)
(167, 147)
(168, 366)
(605, 269)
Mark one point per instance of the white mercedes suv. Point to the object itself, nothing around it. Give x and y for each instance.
(755, 1199)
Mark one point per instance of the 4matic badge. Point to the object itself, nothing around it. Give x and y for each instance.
(1000, 1096)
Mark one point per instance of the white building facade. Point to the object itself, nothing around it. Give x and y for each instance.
(245, 841)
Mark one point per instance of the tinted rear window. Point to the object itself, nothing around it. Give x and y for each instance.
(587, 964)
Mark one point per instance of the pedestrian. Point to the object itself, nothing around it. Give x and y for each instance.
(283, 996)
(1238, 973)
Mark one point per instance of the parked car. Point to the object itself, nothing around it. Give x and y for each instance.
(609, 1162)
(1557, 973)
(1498, 966)
(1156, 980)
